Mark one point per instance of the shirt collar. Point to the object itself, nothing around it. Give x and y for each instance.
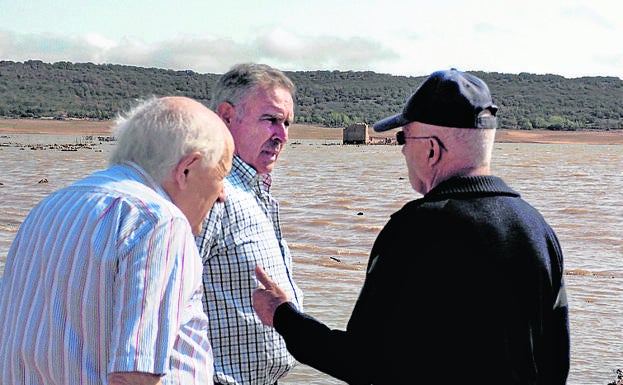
(249, 175)
(139, 174)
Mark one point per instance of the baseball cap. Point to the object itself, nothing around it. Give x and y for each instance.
(448, 98)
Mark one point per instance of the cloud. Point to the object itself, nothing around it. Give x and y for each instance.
(205, 54)
(590, 16)
(486, 46)
(322, 52)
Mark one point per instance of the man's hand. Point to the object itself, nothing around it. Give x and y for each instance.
(267, 297)
(133, 378)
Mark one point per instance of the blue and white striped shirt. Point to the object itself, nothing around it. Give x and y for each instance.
(237, 235)
(104, 276)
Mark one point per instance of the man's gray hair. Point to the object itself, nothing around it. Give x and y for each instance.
(157, 134)
(233, 85)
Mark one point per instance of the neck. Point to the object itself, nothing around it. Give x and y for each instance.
(466, 171)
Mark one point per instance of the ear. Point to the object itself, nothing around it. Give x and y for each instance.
(226, 112)
(187, 168)
(434, 152)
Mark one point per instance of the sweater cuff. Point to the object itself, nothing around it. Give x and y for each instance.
(284, 312)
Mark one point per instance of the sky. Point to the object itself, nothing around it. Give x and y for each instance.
(571, 38)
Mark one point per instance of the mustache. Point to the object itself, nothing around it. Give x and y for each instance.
(273, 144)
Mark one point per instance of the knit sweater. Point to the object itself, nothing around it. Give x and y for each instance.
(464, 284)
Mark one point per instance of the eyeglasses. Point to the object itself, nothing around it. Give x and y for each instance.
(402, 139)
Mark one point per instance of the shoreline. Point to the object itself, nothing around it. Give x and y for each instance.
(301, 131)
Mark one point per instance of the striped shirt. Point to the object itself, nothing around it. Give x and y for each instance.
(104, 276)
(238, 234)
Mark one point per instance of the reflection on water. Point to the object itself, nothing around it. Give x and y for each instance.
(335, 199)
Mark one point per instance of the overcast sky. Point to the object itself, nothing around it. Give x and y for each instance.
(571, 38)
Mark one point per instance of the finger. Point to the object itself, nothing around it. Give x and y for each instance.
(264, 279)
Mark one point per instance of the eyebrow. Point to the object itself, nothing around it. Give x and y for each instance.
(278, 116)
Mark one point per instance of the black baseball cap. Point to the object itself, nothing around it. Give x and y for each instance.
(449, 98)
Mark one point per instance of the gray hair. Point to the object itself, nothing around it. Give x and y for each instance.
(157, 134)
(233, 85)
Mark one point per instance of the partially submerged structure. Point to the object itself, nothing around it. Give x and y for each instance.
(356, 134)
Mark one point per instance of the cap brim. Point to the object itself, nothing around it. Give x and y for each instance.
(390, 123)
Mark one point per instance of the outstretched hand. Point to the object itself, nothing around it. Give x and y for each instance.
(267, 297)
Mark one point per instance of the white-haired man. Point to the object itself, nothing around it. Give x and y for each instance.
(102, 284)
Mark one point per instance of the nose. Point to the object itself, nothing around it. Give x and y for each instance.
(280, 131)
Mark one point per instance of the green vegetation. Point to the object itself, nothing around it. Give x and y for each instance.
(34, 89)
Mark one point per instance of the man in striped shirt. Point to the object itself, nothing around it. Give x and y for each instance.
(102, 284)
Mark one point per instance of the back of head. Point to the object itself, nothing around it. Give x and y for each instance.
(159, 132)
(457, 108)
(235, 83)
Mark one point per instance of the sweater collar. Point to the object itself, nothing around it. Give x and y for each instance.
(466, 185)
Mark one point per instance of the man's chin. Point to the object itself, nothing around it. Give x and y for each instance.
(268, 169)
(267, 164)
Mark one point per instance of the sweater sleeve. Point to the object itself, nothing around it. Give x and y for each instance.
(313, 343)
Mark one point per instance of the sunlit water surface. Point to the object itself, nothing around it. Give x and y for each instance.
(335, 199)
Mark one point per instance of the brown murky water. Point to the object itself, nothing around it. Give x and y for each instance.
(335, 199)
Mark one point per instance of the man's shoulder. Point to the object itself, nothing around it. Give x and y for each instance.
(237, 190)
(130, 193)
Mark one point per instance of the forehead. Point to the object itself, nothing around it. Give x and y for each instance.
(277, 97)
(410, 128)
(421, 128)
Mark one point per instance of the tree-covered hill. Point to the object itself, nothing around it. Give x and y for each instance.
(34, 89)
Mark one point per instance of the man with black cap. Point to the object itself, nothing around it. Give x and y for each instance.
(464, 284)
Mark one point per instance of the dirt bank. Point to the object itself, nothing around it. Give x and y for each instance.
(300, 131)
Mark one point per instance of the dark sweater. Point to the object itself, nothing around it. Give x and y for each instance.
(464, 285)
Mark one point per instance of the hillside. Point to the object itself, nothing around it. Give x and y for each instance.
(34, 89)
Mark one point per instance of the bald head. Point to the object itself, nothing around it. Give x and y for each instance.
(159, 132)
